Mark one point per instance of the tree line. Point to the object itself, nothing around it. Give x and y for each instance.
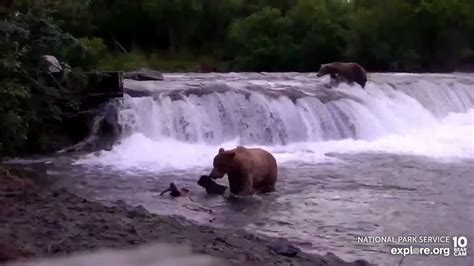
(271, 35)
(282, 35)
(230, 35)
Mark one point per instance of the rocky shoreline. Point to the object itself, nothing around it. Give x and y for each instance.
(36, 222)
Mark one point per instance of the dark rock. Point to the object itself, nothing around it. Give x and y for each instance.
(211, 186)
(284, 248)
(334, 258)
(205, 229)
(136, 93)
(361, 263)
(220, 239)
(102, 86)
(105, 131)
(109, 129)
(138, 211)
(144, 74)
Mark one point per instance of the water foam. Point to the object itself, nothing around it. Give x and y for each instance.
(139, 152)
(453, 137)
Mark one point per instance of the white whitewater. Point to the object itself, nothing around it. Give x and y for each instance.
(188, 117)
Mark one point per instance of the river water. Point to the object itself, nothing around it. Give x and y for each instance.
(393, 159)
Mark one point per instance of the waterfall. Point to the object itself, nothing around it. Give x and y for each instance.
(181, 122)
(278, 109)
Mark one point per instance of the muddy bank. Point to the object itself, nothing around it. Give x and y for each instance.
(36, 222)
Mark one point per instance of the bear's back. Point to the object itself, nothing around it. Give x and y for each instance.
(349, 70)
(259, 157)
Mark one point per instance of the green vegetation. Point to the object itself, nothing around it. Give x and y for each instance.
(270, 35)
(187, 35)
(33, 100)
(281, 35)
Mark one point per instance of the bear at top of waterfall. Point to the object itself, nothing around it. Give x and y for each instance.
(349, 72)
(249, 170)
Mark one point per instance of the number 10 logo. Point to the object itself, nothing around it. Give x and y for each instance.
(460, 246)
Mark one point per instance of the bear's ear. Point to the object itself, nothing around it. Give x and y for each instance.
(221, 150)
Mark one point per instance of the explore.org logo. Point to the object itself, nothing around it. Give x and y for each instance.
(421, 245)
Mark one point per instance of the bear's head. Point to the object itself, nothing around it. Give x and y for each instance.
(327, 69)
(223, 163)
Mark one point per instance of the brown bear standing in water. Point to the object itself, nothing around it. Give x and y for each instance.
(349, 72)
(248, 170)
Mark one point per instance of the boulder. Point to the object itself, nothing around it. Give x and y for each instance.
(53, 64)
(59, 70)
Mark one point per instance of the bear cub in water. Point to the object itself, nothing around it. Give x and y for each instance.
(249, 170)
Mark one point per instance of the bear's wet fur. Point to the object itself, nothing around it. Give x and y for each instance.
(249, 170)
